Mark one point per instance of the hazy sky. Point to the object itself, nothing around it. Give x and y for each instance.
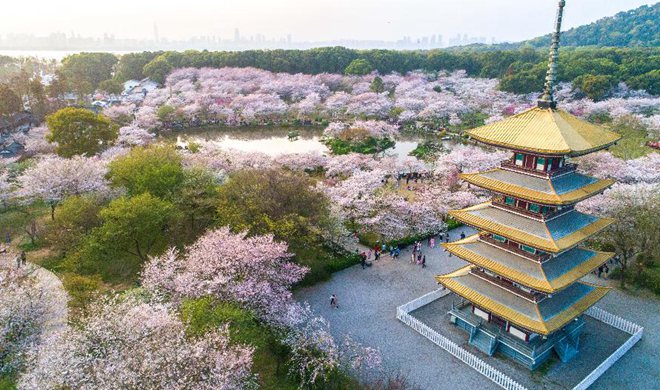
(305, 20)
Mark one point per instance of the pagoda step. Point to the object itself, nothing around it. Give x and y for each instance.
(484, 342)
(567, 347)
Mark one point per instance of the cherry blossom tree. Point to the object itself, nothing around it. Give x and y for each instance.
(53, 178)
(133, 135)
(24, 313)
(124, 342)
(35, 141)
(316, 356)
(252, 271)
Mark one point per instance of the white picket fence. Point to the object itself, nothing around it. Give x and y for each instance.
(402, 313)
(622, 324)
(498, 377)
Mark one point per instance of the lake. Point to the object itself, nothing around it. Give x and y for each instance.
(275, 141)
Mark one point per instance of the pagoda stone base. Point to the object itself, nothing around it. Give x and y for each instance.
(491, 338)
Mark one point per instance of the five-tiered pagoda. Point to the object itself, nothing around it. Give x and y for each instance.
(522, 294)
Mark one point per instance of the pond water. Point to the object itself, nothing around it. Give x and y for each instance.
(275, 141)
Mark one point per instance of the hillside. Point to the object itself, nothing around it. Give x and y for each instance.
(637, 27)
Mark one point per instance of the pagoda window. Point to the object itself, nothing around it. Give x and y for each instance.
(499, 238)
(519, 159)
(519, 333)
(540, 164)
(529, 161)
(545, 209)
(534, 208)
(510, 201)
(528, 249)
(480, 313)
(522, 204)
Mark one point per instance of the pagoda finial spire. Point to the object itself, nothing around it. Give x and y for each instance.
(547, 99)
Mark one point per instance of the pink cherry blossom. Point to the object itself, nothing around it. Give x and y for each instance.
(253, 271)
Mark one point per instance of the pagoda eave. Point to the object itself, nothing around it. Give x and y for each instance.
(518, 228)
(541, 197)
(518, 268)
(586, 295)
(546, 131)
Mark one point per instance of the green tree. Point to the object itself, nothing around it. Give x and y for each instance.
(158, 69)
(132, 229)
(649, 81)
(80, 131)
(131, 65)
(377, 85)
(272, 201)
(10, 102)
(595, 86)
(156, 170)
(197, 198)
(111, 86)
(359, 67)
(76, 217)
(85, 71)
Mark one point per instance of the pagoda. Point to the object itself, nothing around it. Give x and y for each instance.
(521, 294)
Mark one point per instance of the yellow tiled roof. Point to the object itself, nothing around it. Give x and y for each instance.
(528, 231)
(546, 131)
(539, 280)
(550, 197)
(536, 323)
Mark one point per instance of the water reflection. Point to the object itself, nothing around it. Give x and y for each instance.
(275, 141)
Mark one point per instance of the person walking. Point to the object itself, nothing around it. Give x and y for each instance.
(363, 261)
(462, 235)
(333, 302)
(432, 243)
(424, 261)
(23, 258)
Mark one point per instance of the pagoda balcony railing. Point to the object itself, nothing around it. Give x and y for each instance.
(514, 249)
(570, 167)
(498, 202)
(534, 297)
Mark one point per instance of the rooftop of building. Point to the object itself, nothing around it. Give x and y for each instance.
(546, 131)
(561, 190)
(543, 317)
(555, 235)
(549, 276)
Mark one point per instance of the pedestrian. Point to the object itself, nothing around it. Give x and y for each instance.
(600, 271)
(419, 259)
(447, 238)
(369, 254)
(363, 261)
(412, 258)
(384, 249)
(333, 301)
(18, 261)
(462, 235)
(429, 242)
(424, 261)
(414, 249)
(376, 255)
(442, 236)
(432, 243)
(23, 258)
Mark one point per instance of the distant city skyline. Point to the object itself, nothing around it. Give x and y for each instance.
(234, 24)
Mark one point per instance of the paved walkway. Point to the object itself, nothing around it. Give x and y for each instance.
(368, 299)
(51, 285)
